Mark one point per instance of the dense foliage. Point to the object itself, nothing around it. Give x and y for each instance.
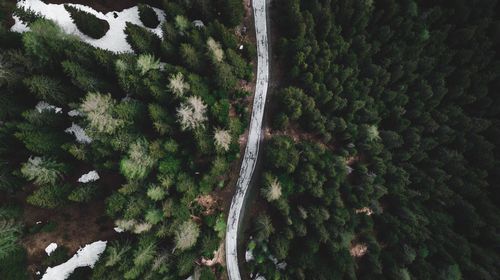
(160, 126)
(88, 23)
(391, 164)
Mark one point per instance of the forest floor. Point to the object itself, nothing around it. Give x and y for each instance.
(71, 226)
(74, 226)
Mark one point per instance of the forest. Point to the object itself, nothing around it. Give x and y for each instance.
(383, 157)
(381, 160)
(151, 134)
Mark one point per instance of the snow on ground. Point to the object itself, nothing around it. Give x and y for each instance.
(51, 248)
(114, 40)
(118, 229)
(42, 106)
(79, 132)
(249, 256)
(86, 256)
(89, 177)
(74, 113)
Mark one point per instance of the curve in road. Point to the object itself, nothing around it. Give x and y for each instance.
(254, 139)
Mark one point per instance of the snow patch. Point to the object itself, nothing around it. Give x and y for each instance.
(115, 38)
(51, 248)
(249, 256)
(118, 229)
(44, 106)
(86, 256)
(79, 132)
(89, 177)
(19, 26)
(74, 113)
(198, 23)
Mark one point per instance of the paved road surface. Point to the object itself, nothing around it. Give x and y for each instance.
(254, 139)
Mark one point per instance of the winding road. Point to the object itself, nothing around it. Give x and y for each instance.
(254, 139)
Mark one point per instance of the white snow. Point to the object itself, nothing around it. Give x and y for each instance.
(254, 139)
(51, 248)
(118, 229)
(281, 265)
(89, 177)
(249, 256)
(42, 106)
(18, 25)
(86, 256)
(198, 23)
(79, 132)
(74, 113)
(114, 40)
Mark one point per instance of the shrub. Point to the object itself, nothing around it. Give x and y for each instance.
(87, 23)
(148, 16)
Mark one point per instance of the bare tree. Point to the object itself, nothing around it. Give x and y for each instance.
(222, 139)
(177, 84)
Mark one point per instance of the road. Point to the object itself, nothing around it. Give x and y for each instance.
(254, 139)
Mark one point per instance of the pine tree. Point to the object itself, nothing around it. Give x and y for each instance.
(146, 63)
(177, 84)
(49, 196)
(88, 23)
(186, 235)
(148, 16)
(48, 89)
(99, 111)
(43, 170)
(139, 162)
(141, 40)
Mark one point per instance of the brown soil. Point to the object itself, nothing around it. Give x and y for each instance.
(76, 226)
(7, 7)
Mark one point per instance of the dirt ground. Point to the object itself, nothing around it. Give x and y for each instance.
(76, 226)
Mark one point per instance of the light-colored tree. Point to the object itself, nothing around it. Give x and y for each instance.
(177, 84)
(139, 162)
(215, 50)
(373, 133)
(147, 62)
(98, 109)
(156, 193)
(142, 227)
(42, 170)
(222, 139)
(126, 225)
(192, 113)
(182, 23)
(272, 191)
(186, 235)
